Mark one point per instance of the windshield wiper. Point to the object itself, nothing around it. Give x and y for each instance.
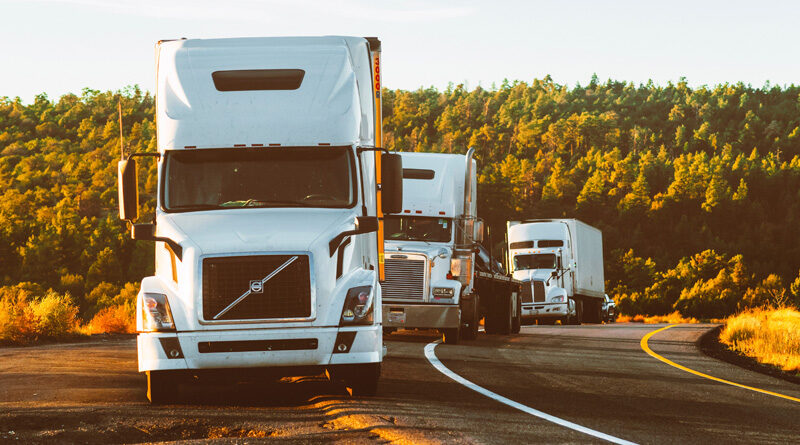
(260, 203)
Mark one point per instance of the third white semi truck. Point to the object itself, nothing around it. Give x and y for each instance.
(561, 263)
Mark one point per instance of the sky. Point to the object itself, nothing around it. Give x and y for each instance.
(63, 46)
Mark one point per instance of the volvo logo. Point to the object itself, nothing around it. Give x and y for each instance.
(256, 286)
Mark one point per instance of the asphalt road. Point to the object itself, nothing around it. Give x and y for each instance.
(595, 377)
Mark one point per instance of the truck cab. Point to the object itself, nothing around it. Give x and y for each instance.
(268, 219)
(561, 261)
(429, 254)
(540, 256)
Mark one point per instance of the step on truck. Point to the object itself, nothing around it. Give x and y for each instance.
(432, 281)
(268, 224)
(561, 263)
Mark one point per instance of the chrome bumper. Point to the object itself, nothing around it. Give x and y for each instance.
(405, 315)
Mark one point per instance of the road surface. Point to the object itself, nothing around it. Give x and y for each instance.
(550, 384)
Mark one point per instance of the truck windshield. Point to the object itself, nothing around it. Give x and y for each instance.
(535, 261)
(259, 177)
(417, 228)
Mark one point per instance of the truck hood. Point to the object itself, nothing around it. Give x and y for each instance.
(260, 230)
(532, 274)
(431, 250)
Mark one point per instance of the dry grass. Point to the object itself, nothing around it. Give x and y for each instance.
(674, 317)
(113, 320)
(770, 336)
(25, 319)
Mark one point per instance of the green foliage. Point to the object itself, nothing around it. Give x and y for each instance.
(664, 171)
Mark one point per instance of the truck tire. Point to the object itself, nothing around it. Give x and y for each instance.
(506, 314)
(451, 336)
(363, 382)
(162, 387)
(578, 317)
(516, 322)
(470, 332)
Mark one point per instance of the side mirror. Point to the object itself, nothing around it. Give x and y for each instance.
(391, 183)
(127, 183)
(147, 232)
(143, 232)
(366, 224)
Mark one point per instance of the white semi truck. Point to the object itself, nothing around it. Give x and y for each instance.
(268, 224)
(561, 263)
(434, 280)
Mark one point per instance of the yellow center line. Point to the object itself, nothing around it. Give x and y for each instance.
(647, 349)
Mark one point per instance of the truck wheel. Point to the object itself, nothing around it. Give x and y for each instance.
(578, 318)
(471, 332)
(364, 380)
(162, 387)
(451, 336)
(506, 315)
(516, 322)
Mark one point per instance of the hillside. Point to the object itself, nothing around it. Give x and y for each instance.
(697, 191)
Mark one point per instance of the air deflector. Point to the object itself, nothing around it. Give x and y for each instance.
(254, 80)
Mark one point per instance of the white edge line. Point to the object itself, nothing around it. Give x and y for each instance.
(431, 356)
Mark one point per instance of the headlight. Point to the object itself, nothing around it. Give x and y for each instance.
(357, 306)
(443, 292)
(156, 315)
(559, 299)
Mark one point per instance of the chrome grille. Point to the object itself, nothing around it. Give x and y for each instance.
(405, 279)
(526, 293)
(287, 294)
(538, 291)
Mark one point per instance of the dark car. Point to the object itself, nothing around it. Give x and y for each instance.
(609, 310)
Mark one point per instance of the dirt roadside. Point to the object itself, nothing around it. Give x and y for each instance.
(91, 392)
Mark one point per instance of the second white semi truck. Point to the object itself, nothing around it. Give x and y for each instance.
(561, 263)
(268, 225)
(434, 279)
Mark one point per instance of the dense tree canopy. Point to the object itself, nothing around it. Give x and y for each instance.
(675, 177)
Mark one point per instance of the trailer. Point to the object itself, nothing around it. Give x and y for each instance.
(561, 262)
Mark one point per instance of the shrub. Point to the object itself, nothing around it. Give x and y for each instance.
(55, 315)
(28, 314)
(118, 319)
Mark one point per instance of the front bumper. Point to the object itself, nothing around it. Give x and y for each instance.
(544, 310)
(296, 347)
(409, 315)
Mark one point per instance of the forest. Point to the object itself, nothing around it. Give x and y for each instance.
(696, 190)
